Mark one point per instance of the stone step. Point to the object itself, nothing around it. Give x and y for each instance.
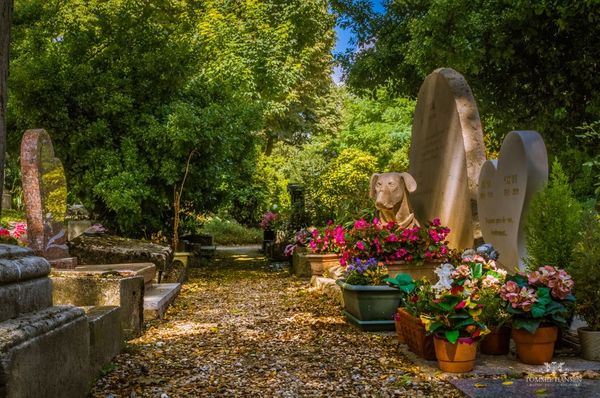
(158, 297)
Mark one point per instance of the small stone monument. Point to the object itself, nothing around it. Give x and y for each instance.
(390, 191)
(45, 194)
(506, 186)
(446, 155)
(44, 349)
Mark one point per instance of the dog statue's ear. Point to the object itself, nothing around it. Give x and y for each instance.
(409, 182)
(372, 190)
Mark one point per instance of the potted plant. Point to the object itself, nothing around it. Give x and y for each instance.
(454, 317)
(417, 303)
(368, 302)
(537, 304)
(415, 251)
(267, 224)
(586, 273)
(324, 248)
(406, 285)
(480, 274)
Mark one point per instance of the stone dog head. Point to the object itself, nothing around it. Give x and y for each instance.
(390, 191)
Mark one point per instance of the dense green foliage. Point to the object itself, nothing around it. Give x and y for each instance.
(585, 271)
(372, 135)
(531, 65)
(128, 89)
(553, 223)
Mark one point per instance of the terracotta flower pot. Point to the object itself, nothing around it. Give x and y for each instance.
(536, 348)
(455, 358)
(416, 271)
(414, 334)
(320, 263)
(399, 333)
(497, 342)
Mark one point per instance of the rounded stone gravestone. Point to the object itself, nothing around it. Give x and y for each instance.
(506, 187)
(446, 155)
(45, 194)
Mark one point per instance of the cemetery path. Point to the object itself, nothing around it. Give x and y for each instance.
(241, 328)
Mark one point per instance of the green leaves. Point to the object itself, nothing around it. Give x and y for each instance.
(404, 282)
(531, 325)
(451, 335)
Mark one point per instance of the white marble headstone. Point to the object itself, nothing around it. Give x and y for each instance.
(446, 155)
(506, 186)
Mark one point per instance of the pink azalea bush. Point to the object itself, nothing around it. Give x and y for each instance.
(538, 297)
(387, 242)
(15, 234)
(330, 239)
(268, 220)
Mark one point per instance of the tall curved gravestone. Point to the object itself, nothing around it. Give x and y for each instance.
(446, 155)
(506, 188)
(45, 194)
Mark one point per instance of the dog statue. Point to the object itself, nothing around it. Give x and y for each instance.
(390, 191)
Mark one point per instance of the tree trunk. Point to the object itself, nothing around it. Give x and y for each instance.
(5, 14)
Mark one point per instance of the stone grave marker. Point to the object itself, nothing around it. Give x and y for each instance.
(45, 194)
(446, 155)
(506, 186)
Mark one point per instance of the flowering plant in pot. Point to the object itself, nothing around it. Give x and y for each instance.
(324, 247)
(415, 304)
(389, 243)
(368, 302)
(482, 278)
(537, 302)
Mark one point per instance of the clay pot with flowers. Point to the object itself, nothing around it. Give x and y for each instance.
(537, 303)
(416, 251)
(325, 247)
(481, 276)
(454, 317)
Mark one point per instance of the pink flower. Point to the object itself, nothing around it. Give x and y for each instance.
(522, 298)
(360, 245)
(4, 232)
(460, 305)
(360, 224)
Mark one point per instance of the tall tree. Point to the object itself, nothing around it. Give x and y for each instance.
(530, 64)
(127, 89)
(5, 19)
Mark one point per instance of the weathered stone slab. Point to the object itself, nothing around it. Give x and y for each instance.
(45, 195)
(71, 287)
(21, 265)
(145, 270)
(106, 337)
(45, 354)
(28, 296)
(446, 154)
(494, 388)
(506, 187)
(158, 298)
(107, 249)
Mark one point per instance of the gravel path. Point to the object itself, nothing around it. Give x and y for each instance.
(240, 329)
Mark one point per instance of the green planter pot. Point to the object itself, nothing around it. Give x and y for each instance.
(371, 308)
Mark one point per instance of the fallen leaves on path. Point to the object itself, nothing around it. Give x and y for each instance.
(240, 330)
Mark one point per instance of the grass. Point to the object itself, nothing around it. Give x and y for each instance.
(230, 232)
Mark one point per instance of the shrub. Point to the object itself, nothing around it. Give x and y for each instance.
(230, 232)
(585, 270)
(553, 223)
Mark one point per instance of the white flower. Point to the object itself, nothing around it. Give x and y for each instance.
(444, 273)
